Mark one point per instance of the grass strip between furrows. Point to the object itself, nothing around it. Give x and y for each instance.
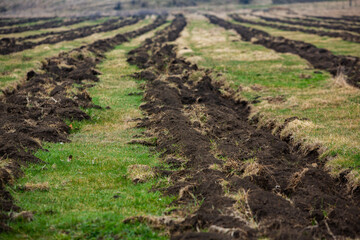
(16, 65)
(282, 86)
(87, 196)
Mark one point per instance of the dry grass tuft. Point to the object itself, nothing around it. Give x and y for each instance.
(296, 126)
(37, 186)
(185, 190)
(22, 216)
(296, 178)
(216, 167)
(155, 222)
(140, 173)
(340, 80)
(252, 168)
(233, 232)
(225, 185)
(231, 165)
(243, 207)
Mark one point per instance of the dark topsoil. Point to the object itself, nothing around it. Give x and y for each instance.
(10, 45)
(345, 27)
(36, 110)
(344, 35)
(320, 58)
(197, 127)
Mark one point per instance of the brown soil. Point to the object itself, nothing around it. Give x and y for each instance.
(344, 35)
(49, 24)
(245, 182)
(309, 24)
(35, 110)
(10, 45)
(320, 58)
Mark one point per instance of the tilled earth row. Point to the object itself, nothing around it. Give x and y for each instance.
(10, 45)
(354, 19)
(11, 22)
(100, 25)
(344, 35)
(49, 24)
(318, 57)
(318, 20)
(344, 27)
(36, 110)
(244, 182)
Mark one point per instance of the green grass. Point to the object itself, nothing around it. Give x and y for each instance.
(80, 203)
(332, 111)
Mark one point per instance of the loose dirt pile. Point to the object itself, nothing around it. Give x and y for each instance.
(308, 24)
(243, 182)
(320, 58)
(344, 35)
(36, 110)
(49, 24)
(10, 45)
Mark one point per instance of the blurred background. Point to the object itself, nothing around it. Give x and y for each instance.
(44, 8)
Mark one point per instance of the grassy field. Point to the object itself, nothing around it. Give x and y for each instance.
(83, 190)
(89, 196)
(283, 86)
(15, 66)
